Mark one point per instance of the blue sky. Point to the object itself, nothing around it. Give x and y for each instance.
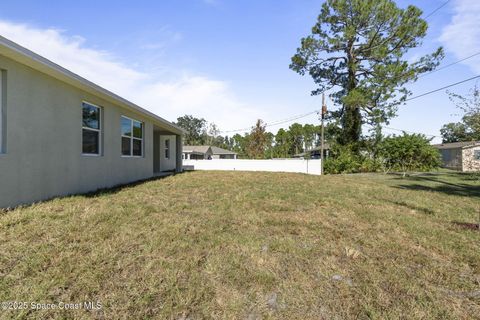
(224, 60)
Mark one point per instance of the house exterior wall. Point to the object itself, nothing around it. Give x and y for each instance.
(224, 156)
(156, 152)
(452, 158)
(43, 151)
(193, 156)
(469, 163)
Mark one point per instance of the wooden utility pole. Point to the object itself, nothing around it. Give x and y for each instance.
(324, 111)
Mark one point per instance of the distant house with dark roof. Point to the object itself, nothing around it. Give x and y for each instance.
(197, 152)
(462, 156)
(219, 153)
(314, 153)
(207, 153)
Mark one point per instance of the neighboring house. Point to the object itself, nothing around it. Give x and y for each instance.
(314, 153)
(219, 153)
(207, 153)
(197, 153)
(61, 134)
(462, 156)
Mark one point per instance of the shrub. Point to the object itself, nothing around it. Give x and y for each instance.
(342, 160)
(409, 152)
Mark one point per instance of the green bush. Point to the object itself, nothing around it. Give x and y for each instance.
(342, 160)
(409, 152)
(370, 165)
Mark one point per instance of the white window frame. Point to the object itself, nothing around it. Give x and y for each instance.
(99, 130)
(475, 152)
(167, 148)
(132, 138)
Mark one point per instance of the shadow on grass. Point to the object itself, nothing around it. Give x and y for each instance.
(448, 183)
(466, 190)
(120, 187)
(466, 225)
(91, 194)
(411, 206)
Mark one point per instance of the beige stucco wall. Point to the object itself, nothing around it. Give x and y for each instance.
(44, 142)
(468, 161)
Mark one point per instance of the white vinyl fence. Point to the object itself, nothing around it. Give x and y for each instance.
(277, 165)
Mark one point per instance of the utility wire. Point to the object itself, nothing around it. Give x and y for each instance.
(435, 11)
(316, 111)
(449, 65)
(411, 132)
(275, 123)
(440, 89)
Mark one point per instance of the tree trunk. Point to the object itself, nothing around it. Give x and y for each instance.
(352, 125)
(352, 118)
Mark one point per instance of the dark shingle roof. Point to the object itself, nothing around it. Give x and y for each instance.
(204, 149)
(217, 150)
(198, 149)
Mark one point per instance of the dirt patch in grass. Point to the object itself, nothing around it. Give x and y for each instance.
(236, 245)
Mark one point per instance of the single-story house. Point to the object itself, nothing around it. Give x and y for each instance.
(197, 153)
(207, 153)
(219, 153)
(314, 153)
(61, 134)
(462, 156)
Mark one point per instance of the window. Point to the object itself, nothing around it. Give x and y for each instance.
(476, 155)
(91, 129)
(167, 148)
(132, 137)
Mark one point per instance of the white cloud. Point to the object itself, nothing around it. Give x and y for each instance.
(185, 93)
(462, 35)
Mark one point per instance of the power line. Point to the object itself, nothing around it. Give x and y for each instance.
(316, 111)
(449, 65)
(411, 132)
(435, 11)
(275, 123)
(443, 88)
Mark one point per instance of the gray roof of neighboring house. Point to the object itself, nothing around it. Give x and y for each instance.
(196, 149)
(204, 150)
(26, 57)
(217, 150)
(457, 145)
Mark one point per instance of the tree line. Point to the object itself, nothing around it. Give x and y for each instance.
(258, 143)
(468, 128)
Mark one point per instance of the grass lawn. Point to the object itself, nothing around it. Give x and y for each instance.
(233, 245)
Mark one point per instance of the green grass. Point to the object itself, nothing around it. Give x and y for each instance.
(233, 245)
